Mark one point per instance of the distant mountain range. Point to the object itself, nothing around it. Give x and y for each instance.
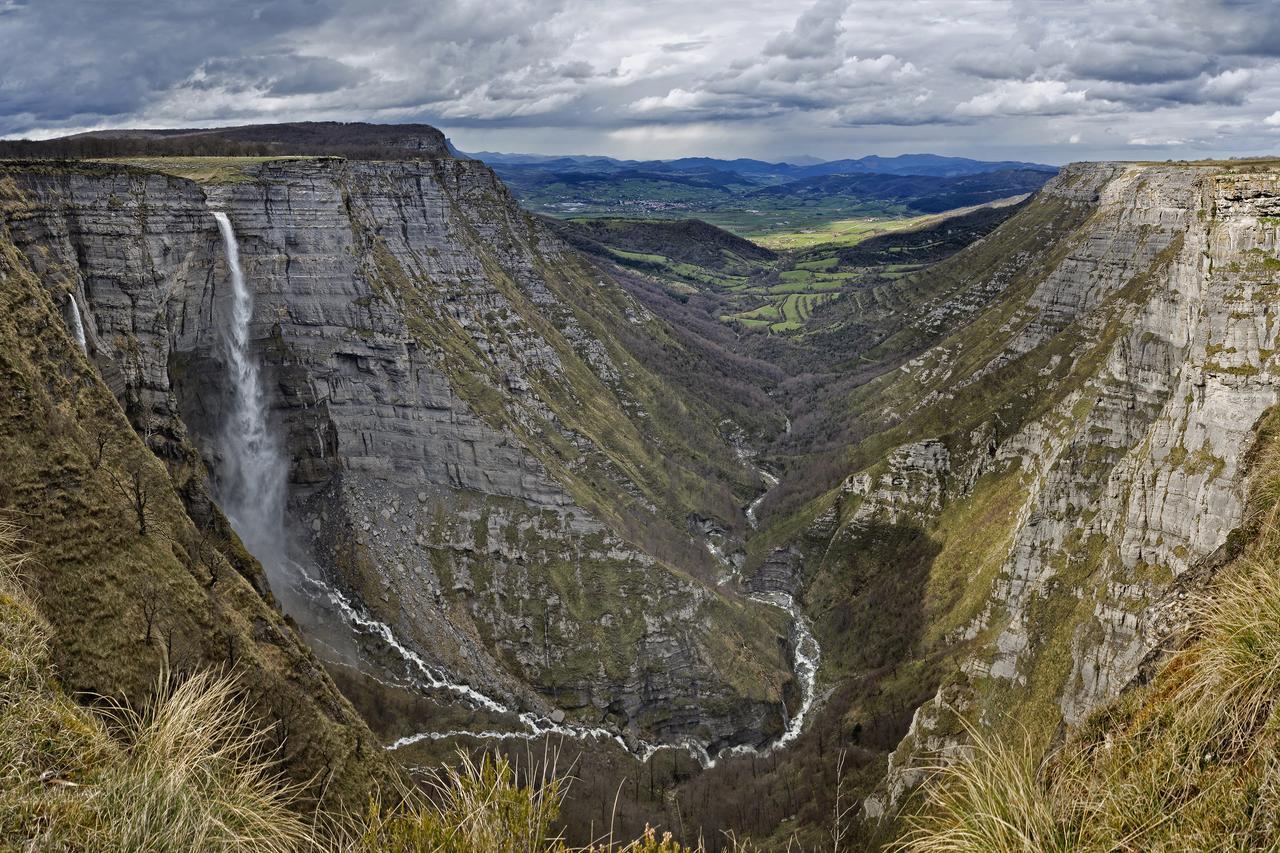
(754, 196)
(807, 167)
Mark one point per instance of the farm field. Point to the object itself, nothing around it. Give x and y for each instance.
(850, 232)
(777, 282)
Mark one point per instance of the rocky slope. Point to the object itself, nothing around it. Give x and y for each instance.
(1064, 442)
(135, 570)
(484, 452)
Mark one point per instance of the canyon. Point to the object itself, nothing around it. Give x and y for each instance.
(434, 471)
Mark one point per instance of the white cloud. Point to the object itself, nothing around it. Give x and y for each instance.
(847, 76)
(1229, 86)
(1026, 97)
(1156, 141)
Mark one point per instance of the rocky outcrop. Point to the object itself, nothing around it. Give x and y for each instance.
(136, 574)
(1116, 383)
(475, 456)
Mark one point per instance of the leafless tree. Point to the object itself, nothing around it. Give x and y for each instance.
(135, 485)
(102, 440)
(149, 602)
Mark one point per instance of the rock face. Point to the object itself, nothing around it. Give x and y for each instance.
(134, 570)
(477, 456)
(1093, 418)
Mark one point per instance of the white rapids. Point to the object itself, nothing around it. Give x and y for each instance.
(770, 482)
(252, 492)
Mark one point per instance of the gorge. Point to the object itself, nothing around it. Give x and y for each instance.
(435, 472)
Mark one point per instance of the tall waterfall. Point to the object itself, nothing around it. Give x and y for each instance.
(77, 325)
(251, 488)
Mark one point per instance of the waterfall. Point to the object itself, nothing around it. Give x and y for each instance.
(77, 325)
(251, 490)
(252, 482)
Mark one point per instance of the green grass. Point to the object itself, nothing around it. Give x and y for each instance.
(202, 170)
(850, 232)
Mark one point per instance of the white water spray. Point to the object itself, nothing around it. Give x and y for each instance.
(251, 488)
(252, 492)
(77, 324)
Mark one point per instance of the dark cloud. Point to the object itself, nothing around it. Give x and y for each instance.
(723, 74)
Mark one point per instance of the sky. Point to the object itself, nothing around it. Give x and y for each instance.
(997, 79)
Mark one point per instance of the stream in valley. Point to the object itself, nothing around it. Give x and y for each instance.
(251, 489)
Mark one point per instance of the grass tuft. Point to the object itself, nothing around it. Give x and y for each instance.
(476, 805)
(194, 773)
(1190, 761)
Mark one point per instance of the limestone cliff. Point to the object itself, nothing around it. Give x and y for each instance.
(485, 454)
(1070, 446)
(135, 570)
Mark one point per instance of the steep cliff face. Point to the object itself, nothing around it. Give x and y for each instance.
(134, 569)
(485, 454)
(1069, 451)
(494, 476)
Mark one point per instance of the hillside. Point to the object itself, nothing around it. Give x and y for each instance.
(699, 276)
(756, 199)
(1082, 386)
(517, 481)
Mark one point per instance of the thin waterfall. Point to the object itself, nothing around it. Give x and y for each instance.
(251, 488)
(77, 324)
(252, 493)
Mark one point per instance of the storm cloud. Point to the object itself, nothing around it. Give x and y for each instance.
(1045, 79)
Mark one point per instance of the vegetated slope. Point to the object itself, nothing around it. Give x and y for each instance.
(704, 279)
(134, 569)
(348, 139)
(920, 193)
(689, 241)
(191, 766)
(1184, 758)
(489, 451)
(1083, 389)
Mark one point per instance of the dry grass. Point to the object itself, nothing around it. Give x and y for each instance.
(477, 805)
(188, 772)
(191, 771)
(1189, 762)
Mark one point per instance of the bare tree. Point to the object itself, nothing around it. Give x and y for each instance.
(102, 440)
(198, 551)
(135, 485)
(149, 602)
